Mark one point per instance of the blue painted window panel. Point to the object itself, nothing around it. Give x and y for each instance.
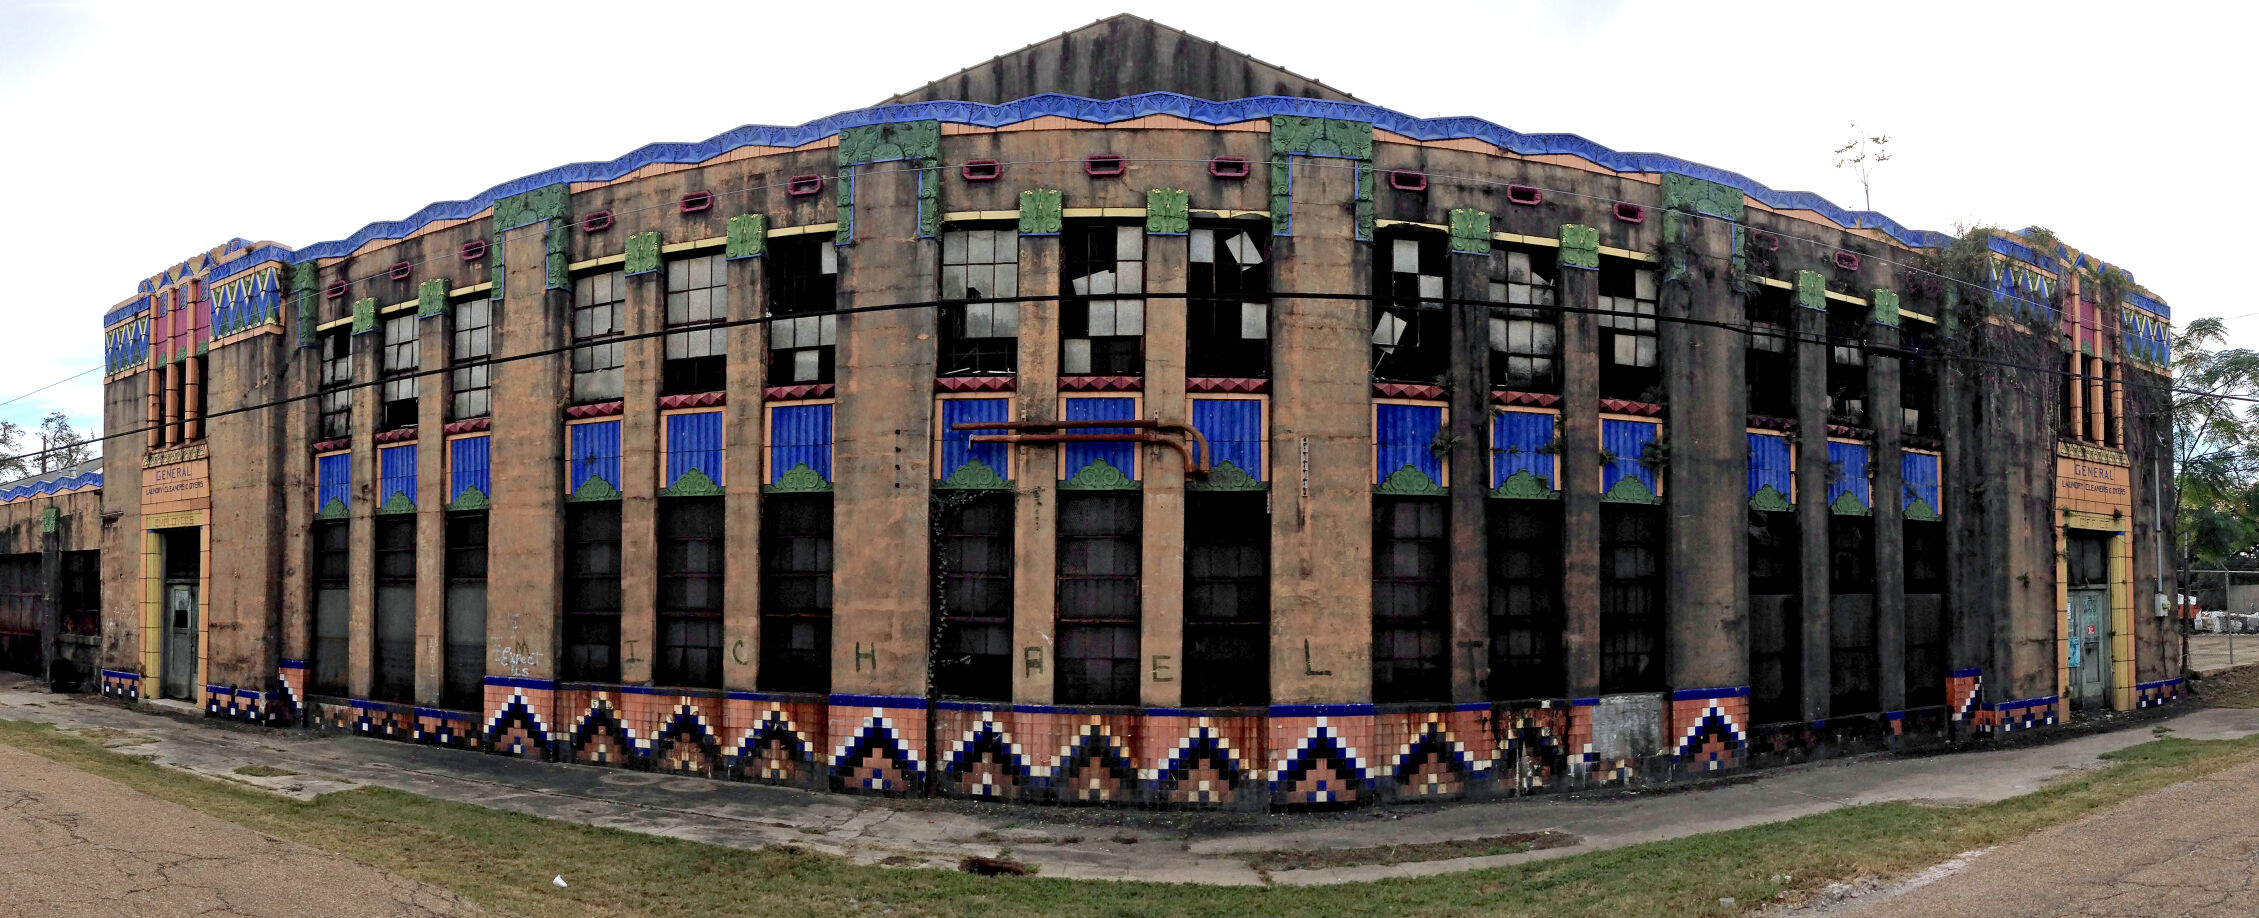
(1405, 435)
(1235, 431)
(1850, 461)
(333, 477)
(1919, 471)
(1627, 441)
(799, 435)
(1122, 456)
(694, 441)
(396, 473)
(957, 446)
(467, 463)
(1769, 464)
(593, 451)
(1521, 441)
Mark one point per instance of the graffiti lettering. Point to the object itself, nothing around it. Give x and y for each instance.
(517, 661)
(737, 652)
(1034, 658)
(1308, 669)
(861, 655)
(631, 657)
(1161, 669)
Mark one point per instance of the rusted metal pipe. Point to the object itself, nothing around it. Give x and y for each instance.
(1088, 423)
(1196, 467)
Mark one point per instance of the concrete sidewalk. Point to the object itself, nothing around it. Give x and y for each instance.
(1077, 842)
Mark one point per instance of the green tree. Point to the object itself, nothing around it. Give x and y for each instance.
(2215, 444)
(12, 466)
(60, 446)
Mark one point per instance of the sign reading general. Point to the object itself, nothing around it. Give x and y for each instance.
(179, 486)
(2082, 484)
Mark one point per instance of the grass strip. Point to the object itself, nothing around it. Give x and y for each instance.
(504, 861)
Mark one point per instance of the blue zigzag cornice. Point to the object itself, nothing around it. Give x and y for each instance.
(1099, 111)
(51, 486)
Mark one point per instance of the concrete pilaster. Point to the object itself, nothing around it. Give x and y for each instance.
(1161, 593)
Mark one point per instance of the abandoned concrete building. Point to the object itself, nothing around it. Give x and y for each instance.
(1128, 419)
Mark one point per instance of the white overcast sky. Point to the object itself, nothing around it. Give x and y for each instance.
(134, 135)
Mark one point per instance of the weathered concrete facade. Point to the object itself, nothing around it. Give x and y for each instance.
(1790, 480)
(50, 574)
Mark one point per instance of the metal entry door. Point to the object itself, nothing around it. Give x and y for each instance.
(180, 641)
(2090, 642)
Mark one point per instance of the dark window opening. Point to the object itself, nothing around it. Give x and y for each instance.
(1525, 345)
(1525, 600)
(2086, 564)
(399, 360)
(471, 381)
(1631, 598)
(2104, 388)
(1852, 666)
(1101, 549)
(697, 349)
(1228, 303)
(1769, 369)
(395, 670)
(796, 564)
(803, 285)
(1847, 364)
(1411, 325)
(2073, 411)
(1098, 335)
(972, 609)
(1926, 663)
(592, 592)
(1629, 346)
(980, 339)
(333, 608)
(463, 669)
(1411, 599)
(1227, 598)
(599, 319)
(336, 383)
(199, 399)
(690, 593)
(1917, 382)
(80, 593)
(1776, 618)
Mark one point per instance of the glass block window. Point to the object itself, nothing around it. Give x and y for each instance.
(980, 338)
(1411, 599)
(972, 610)
(599, 318)
(1100, 335)
(592, 592)
(1228, 303)
(463, 668)
(336, 384)
(395, 669)
(803, 283)
(1526, 616)
(697, 349)
(1411, 330)
(471, 380)
(1101, 549)
(333, 608)
(399, 363)
(796, 568)
(1227, 598)
(1525, 341)
(1630, 362)
(1631, 598)
(690, 593)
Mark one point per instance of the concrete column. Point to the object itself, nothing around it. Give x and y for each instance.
(295, 470)
(172, 403)
(1705, 493)
(192, 390)
(741, 479)
(526, 525)
(361, 522)
(1469, 478)
(1884, 377)
(1812, 506)
(639, 476)
(153, 407)
(434, 349)
(1161, 613)
(882, 445)
(1579, 289)
(1035, 523)
(1321, 385)
(2076, 415)
(2097, 397)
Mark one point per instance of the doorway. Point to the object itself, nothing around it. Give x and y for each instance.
(2087, 568)
(183, 556)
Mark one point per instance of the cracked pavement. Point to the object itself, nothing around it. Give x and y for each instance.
(2188, 849)
(76, 844)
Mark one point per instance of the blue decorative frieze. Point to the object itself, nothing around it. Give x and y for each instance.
(694, 454)
(396, 479)
(1772, 471)
(333, 485)
(1919, 473)
(1097, 465)
(964, 463)
(1405, 455)
(1237, 433)
(592, 460)
(799, 447)
(468, 462)
(1850, 491)
(1524, 458)
(1627, 461)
